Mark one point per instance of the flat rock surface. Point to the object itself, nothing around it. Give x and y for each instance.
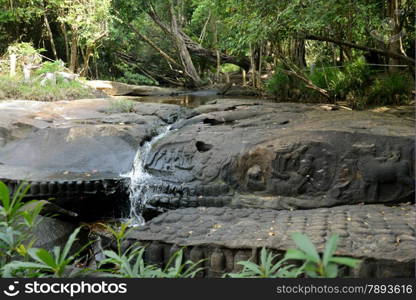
(366, 231)
(71, 140)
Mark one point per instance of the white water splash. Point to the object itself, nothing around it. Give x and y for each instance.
(140, 179)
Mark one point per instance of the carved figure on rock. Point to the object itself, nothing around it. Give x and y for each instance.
(304, 170)
(378, 171)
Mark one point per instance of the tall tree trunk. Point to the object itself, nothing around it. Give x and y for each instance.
(259, 83)
(186, 59)
(217, 51)
(74, 52)
(86, 64)
(298, 52)
(253, 66)
(65, 35)
(50, 35)
(195, 48)
(395, 41)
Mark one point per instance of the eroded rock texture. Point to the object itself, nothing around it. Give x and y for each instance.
(283, 156)
(384, 237)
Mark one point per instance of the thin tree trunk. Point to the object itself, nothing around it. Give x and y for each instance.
(259, 83)
(65, 35)
(298, 52)
(253, 66)
(183, 50)
(86, 64)
(395, 43)
(154, 46)
(217, 51)
(204, 29)
(195, 48)
(48, 29)
(74, 52)
(13, 60)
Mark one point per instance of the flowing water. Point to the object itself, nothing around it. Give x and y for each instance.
(140, 180)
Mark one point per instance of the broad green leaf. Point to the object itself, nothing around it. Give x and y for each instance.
(42, 256)
(248, 265)
(330, 248)
(4, 195)
(307, 247)
(347, 261)
(331, 270)
(295, 254)
(68, 244)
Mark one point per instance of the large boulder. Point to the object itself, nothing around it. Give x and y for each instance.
(282, 156)
(76, 150)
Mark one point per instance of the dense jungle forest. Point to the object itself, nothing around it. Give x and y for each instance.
(362, 52)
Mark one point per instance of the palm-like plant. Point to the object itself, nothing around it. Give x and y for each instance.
(267, 268)
(315, 265)
(47, 264)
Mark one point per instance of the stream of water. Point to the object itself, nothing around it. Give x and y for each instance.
(140, 179)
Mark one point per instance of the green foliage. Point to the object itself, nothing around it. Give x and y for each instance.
(135, 78)
(120, 106)
(393, 88)
(314, 264)
(47, 264)
(177, 268)
(11, 88)
(24, 52)
(89, 20)
(351, 80)
(51, 67)
(130, 262)
(267, 268)
(17, 220)
(229, 68)
(23, 49)
(279, 84)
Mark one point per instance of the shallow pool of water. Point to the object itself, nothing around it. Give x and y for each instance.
(193, 100)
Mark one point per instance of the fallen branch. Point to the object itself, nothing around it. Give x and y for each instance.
(359, 47)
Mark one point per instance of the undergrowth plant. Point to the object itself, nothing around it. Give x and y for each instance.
(57, 263)
(315, 265)
(312, 264)
(267, 268)
(130, 263)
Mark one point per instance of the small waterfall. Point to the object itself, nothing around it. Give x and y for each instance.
(140, 180)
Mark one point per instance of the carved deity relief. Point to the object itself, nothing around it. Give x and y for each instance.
(303, 170)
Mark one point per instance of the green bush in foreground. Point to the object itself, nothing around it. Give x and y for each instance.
(18, 257)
